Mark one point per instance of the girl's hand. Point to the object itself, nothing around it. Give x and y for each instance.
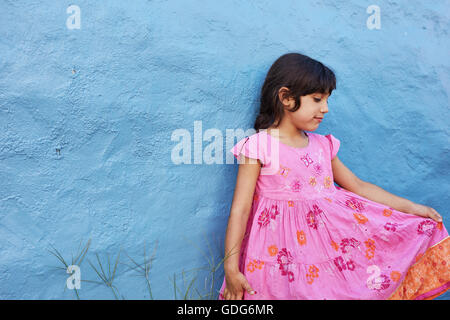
(236, 284)
(426, 212)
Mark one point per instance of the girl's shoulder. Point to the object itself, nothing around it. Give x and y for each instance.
(252, 146)
(332, 143)
(323, 137)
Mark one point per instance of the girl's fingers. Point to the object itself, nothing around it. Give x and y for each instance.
(436, 215)
(238, 296)
(248, 288)
(226, 294)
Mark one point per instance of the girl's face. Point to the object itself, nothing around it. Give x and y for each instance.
(312, 109)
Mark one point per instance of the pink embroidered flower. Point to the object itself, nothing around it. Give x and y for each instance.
(284, 258)
(296, 185)
(311, 216)
(316, 209)
(349, 242)
(426, 227)
(311, 220)
(354, 204)
(383, 283)
(391, 226)
(274, 211)
(377, 281)
(341, 265)
(351, 265)
(290, 275)
(318, 169)
(264, 217)
(339, 262)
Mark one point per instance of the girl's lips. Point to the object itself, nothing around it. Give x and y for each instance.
(319, 119)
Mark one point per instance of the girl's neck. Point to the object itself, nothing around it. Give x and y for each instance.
(290, 133)
(297, 139)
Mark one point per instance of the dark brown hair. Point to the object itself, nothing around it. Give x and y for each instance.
(299, 73)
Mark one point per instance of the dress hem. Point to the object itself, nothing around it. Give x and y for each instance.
(434, 293)
(422, 267)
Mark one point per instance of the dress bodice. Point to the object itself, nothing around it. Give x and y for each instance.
(290, 173)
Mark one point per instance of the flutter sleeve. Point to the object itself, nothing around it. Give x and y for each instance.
(334, 145)
(251, 147)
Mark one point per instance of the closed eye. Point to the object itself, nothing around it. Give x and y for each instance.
(318, 100)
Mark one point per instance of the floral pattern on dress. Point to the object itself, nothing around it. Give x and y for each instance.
(360, 217)
(391, 226)
(311, 216)
(327, 182)
(355, 204)
(306, 160)
(296, 185)
(370, 251)
(267, 215)
(428, 276)
(426, 227)
(254, 264)
(349, 242)
(301, 238)
(318, 169)
(313, 273)
(350, 231)
(387, 212)
(335, 245)
(264, 217)
(284, 171)
(273, 250)
(395, 276)
(284, 260)
(342, 265)
(376, 280)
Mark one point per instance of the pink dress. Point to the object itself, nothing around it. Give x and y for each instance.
(309, 239)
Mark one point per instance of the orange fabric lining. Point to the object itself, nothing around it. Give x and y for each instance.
(431, 271)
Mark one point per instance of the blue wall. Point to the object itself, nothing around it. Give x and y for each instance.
(109, 95)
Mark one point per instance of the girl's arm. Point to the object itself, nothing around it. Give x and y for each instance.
(240, 210)
(348, 180)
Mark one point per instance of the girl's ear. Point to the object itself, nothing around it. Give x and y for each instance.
(283, 95)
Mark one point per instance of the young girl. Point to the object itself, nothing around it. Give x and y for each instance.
(293, 234)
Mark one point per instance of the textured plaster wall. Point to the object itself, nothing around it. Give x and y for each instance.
(87, 114)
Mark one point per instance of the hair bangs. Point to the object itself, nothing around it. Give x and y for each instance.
(323, 81)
